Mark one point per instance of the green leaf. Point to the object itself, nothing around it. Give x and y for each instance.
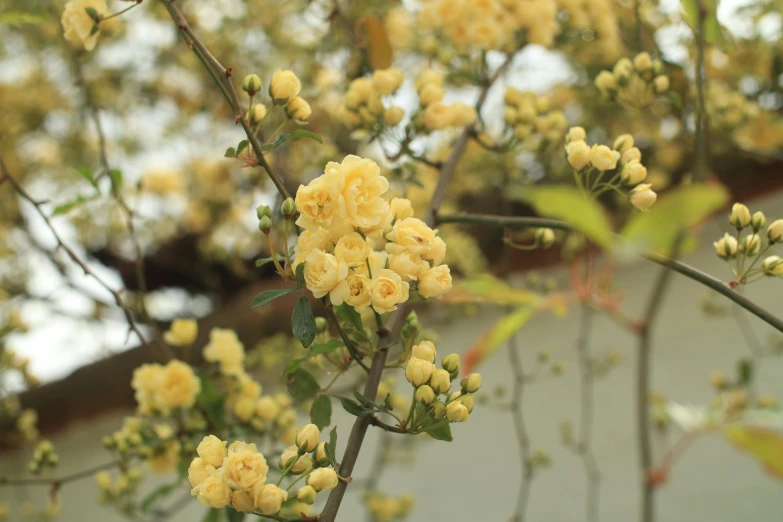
(157, 493)
(17, 18)
(268, 296)
(348, 314)
(314, 350)
(567, 203)
(86, 173)
(212, 515)
(300, 282)
(500, 332)
(352, 407)
(321, 411)
(212, 403)
(232, 515)
(303, 322)
(439, 430)
(744, 372)
(302, 385)
(115, 176)
(70, 205)
(92, 13)
(764, 444)
(300, 134)
(182, 468)
(676, 211)
(267, 260)
(331, 448)
(713, 33)
(486, 288)
(230, 153)
(242, 146)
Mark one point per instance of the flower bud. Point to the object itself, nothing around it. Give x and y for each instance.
(257, 113)
(251, 84)
(642, 196)
(424, 350)
(740, 216)
(544, 237)
(632, 154)
(450, 363)
(412, 319)
(467, 400)
(642, 62)
(438, 409)
(471, 383)
(758, 221)
(322, 479)
(270, 499)
(265, 224)
(289, 207)
(578, 154)
(320, 456)
(299, 109)
(457, 412)
(657, 67)
(750, 245)
(623, 143)
(418, 371)
(661, 84)
(306, 494)
(284, 85)
(425, 394)
(263, 210)
(772, 266)
(726, 247)
(307, 437)
(440, 381)
(321, 324)
(606, 83)
(576, 134)
(775, 231)
(622, 71)
(393, 115)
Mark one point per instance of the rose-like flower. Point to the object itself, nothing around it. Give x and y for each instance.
(267, 408)
(471, 383)
(323, 272)
(576, 134)
(361, 187)
(418, 371)
(386, 81)
(578, 153)
(308, 241)
(352, 249)
(424, 350)
(435, 282)
(225, 349)
(633, 173)
(299, 109)
(772, 265)
(401, 208)
(270, 499)
(213, 492)
(740, 216)
(78, 25)
(408, 265)
(440, 381)
(393, 115)
(603, 158)
(353, 290)
(199, 471)
(182, 332)
(451, 363)
(437, 252)
(307, 437)
(146, 382)
(775, 231)
(437, 116)
(179, 386)
(306, 494)
(212, 450)
(322, 479)
(456, 412)
(726, 247)
(462, 114)
(410, 235)
(244, 469)
(284, 85)
(387, 290)
(642, 196)
(318, 202)
(632, 154)
(244, 500)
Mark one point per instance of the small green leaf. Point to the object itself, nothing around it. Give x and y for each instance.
(301, 134)
(232, 515)
(302, 385)
(212, 515)
(86, 173)
(713, 33)
(242, 146)
(314, 350)
(157, 493)
(212, 403)
(93, 13)
(492, 339)
(352, 407)
(300, 282)
(182, 468)
(70, 205)
(303, 322)
(268, 296)
(331, 448)
(349, 315)
(115, 176)
(230, 153)
(440, 430)
(763, 444)
(321, 411)
(267, 260)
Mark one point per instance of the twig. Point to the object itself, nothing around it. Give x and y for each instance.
(586, 416)
(348, 343)
(520, 428)
(754, 346)
(5, 481)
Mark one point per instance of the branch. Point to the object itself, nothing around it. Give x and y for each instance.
(678, 266)
(5, 481)
(348, 343)
(520, 427)
(584, 447)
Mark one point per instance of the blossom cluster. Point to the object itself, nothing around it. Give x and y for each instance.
(743, 252)
(363, 105)
(529, 114)
(623, 157)
(634, 83)
(431, 383)
(284, 90)
(386, 508)
(436, 115)
(360, 249)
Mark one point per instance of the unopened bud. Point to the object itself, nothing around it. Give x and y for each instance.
(263, 210)
(257, 113)
(265, 224)
(726, 247)
(424, 350)
(457, 412)
(471, 383)
(740, 216)
(307, 437)
(772, 266)
(321, 324)
(289, 207)
(758, 221)
(545, 237)
(440, 381)
(450, 363)
(750, 245)
(306, 494)
(425, 394)
(438, 410)
(775, 231)
(251, 84)
(319, 455)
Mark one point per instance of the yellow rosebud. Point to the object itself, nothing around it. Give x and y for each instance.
(576, 134)
(425, 394)
(457, 412)
(386, 81)
(306, 494)
(750, 245)
(578, 153)
(462, 114)
(740, 216)
(182, 332)
(251, 84)
(284, 85)
(642, 62)
(471, 383)
(451, 363)
(257, 113)
(726, 247)
(775, 231)
(773, 266)
(401, 208)
(320, 456)
(270, 499)
(322, 479)
(603, 158)
(632, 154)
(642, 196)
(440, 381)
(435, 282)
(418, 371)
(623, 143)
(431, 93)
(393, 115)
(661, 84)
(633, 173)
(299, 109)
(307, 437)
(424, 350)
(758, 221)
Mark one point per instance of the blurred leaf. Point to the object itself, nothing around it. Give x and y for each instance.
(764, 444)
(379, 46)
(567, 203)
(317, 349)
(489, 343)
(182, 467)
(232, 515)
(17, 18)
(212, 403)
(302, 385)
(86, 173)
(303, 322)
(230, 153)
(212, 515)
(70, 205)
(157, 493)
(678, 210)
(744, 372)
(486, 288)
(353, 407)
(115, 176)
(268, 296)
(713, 33)
(267, 260)
(321, 411)
(301, 134)
(300, 282)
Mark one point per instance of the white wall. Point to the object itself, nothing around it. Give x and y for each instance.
(476, 477)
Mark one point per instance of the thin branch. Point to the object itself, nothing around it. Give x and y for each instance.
(348, 343)
(503, 221)
(520, 428)
(5, 481)
(585, 448)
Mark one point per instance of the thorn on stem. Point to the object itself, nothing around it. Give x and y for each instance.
(228, 72)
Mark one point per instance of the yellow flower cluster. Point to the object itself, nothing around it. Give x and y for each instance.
(437, 115)
(748, 250)
(633, 83)
(529, 114)
(43, 457)
(727, 108)
(181, 332)
(432, 382)
(160, 388)
(153, 442)
(623, 157)
(112, 489)
(487, 24)
(360, 249)
(385, 508)
(600, 18)
(79, 27)
(363, 105)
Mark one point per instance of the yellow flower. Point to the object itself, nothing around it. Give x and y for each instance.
(318, 202)
(284, 85)
(306, 494)
(212, 450)
(245, 467)
(162, 181)
(213, 492)
(78, 25)
(179, 386)
(623, 143)
(182, 332)
(775, 231)
(457, 412)
(642, 196)
(410, 235)
(307, 437)
(435, 282)
(146, 382)
(267, 408)
(299, 109)
(418, 371)
(387, 290)
(353, 290)
(198, 472)
(386, 81)
(289, 455)
(576, 134)
(270, 499)
(351, 249)
(471, 383)
(437, 116)
(244, 500)
(322, 479)
(424, 350)
(225, 349)
(578, 153)
(440, 381)
(633, 173)
(431, 93)
(323, 272)
(408, 265)
(462, 114)
(603, 158)
(361, 188)
(393, 115)
(308, 241)
(401, 208)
